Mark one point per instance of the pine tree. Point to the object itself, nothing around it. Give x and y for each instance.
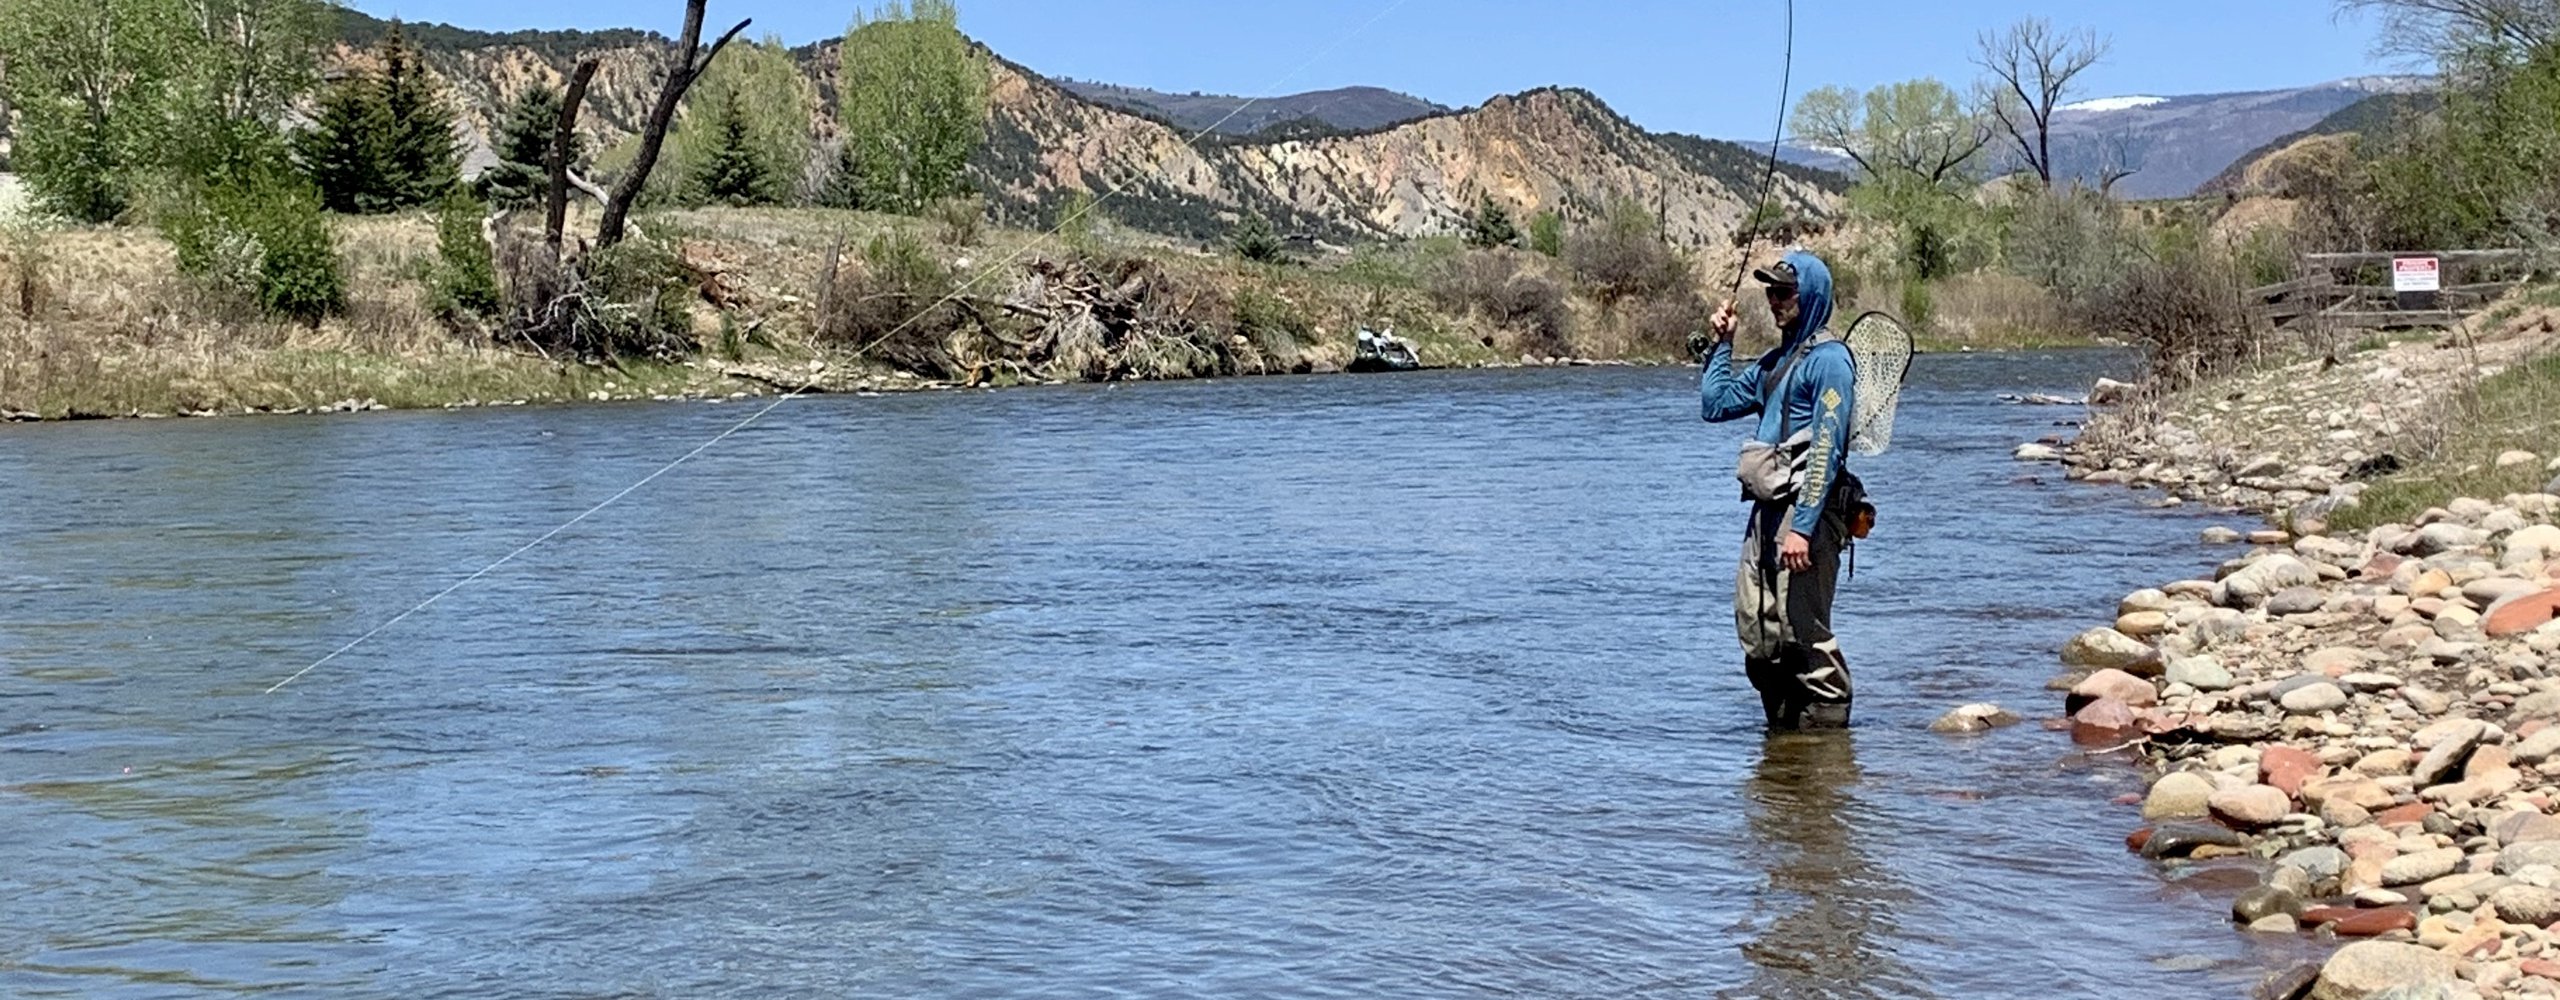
(345, 149)
(1491, 226)
(732, 174)
(423, 154)
(385, 143)
(524, 149)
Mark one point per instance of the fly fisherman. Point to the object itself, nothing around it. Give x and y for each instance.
(1801, 494)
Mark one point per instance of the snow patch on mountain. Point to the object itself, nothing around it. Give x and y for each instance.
(2115, 104)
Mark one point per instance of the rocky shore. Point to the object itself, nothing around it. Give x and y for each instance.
(2371, 719)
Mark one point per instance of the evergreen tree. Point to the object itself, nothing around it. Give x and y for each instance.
(385, 143)
(524, 149)
(423, 156)
(1491, 226)
(346, 148)
(731, 173)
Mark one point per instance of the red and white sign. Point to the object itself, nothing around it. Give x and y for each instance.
(2416, 274)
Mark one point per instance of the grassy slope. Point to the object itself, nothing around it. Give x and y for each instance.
(2517, 409)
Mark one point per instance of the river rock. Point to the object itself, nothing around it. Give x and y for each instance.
(2218, 535)
(2385, 762)
(2424, 866)
(2116, 684)
(2538, 543)
(1974, 719)
(2146, 600)
(2143, 624)
(2287, 769)
(2336, 661)
(2527, 904)
(2540, 746)
(2297, 601)
(2313, 699)
(2203, 673)
(2538, 705)
(2249, 807)
(2032, 452)
(2352, 922)
(2552, 487)
(2425, 701)
(2106, 715)
(2322, 862)
(2263, 901)
(2513, 459)
(2489, 590)
(2441, 537)
(2373, 970)
(2178, 840)
(2522, 613)
(2517, 857)
(2178, 795)
(2452, 748)
(2108, 649)
(2252, 585)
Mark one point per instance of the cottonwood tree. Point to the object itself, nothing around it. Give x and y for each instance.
(1914, 131)
(87, 78)
(2031, 67)
(912, 103)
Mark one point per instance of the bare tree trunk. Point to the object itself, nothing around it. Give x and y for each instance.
(688, 64)
(555, 205)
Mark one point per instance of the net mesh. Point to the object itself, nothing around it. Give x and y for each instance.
(1881, 348)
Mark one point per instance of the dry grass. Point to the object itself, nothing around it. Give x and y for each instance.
(1992, 311)
(118, 331)
(2455, 447)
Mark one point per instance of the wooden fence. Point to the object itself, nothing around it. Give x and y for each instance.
(2338, 290)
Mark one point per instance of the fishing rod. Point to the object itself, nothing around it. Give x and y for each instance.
(1769, 178)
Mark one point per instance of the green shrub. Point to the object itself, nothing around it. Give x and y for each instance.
(265, 239)
(1254, 240)
(1273, 326)
(1546, 233)
(465, 278)
(1918, 306)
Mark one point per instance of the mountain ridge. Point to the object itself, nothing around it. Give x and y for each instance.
(1552, 148)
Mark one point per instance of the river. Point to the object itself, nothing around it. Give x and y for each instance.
(1411, 686)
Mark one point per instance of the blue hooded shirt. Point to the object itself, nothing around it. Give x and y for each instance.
(1820, 392)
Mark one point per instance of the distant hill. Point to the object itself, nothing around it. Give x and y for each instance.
(2375, 117)
(1340, 165)
(2181, 142)
(1345, 109)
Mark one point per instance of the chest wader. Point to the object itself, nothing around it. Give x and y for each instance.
(1783, 617)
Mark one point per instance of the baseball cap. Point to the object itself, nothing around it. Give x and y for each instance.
(1778, 275)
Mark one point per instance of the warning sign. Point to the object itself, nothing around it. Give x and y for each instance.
(2416, 274)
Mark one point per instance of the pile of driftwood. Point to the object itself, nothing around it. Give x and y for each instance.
(1101, 321)
(1075, 318)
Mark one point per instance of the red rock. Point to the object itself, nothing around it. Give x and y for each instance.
(2287, 768)
(2105, 713)
(2134, 841)
(2530, 727)
(2352, 922)
(2129, 799)
(2543, 967)
(2115, 684)
(2415, 812)
(2522, 613)
(2381, 566)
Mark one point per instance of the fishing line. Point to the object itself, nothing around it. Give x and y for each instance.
(810, 383)
(1768, 179)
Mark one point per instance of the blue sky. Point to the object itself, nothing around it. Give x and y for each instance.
(1708, 67)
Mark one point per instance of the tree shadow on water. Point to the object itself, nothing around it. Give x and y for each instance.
(1828, 910)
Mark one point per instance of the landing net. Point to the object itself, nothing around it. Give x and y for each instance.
(1881, 347)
